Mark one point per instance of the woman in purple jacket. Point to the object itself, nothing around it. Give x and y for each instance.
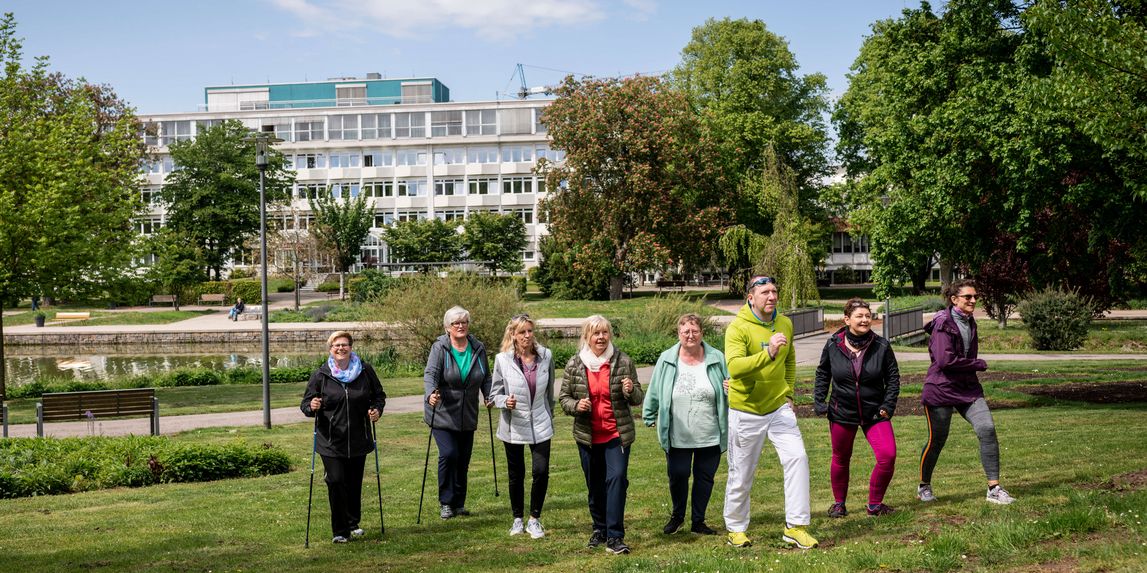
(951, 386)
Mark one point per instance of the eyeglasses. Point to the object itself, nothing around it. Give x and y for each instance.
(460, 323)
(340, 346)
(967, 296)
(762, 280)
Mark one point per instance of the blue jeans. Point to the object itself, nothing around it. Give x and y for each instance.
(606, 469)
(454, 449)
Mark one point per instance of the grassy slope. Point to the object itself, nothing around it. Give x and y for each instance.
(1051, 457)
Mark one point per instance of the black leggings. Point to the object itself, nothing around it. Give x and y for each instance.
(344, 491)
(940, 421)
(540, 471)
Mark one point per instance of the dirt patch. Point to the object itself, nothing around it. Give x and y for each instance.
(997, 376)
(1131, 481)
(1065, 565)
(1103, 393)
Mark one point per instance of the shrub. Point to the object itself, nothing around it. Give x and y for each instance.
(369, 285)
(1056, 320)
(191, 377)
(659, 316)
(250, 290)
(417, 305)
(328, 286)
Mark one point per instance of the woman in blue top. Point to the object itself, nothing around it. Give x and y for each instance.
(687, 403)
(455, 371)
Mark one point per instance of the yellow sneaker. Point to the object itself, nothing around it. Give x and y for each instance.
(738, 539)
(799, 536)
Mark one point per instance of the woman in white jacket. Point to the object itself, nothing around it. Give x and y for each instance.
(523, 387)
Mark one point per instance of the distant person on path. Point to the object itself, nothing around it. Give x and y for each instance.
(951, 386)
(600, 386)
(456, 369)
(345, 397)
(237, 309)
(686, 403)
(762, 364)
(857, 385)
(523, 387)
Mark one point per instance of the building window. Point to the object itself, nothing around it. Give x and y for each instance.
(552, 155)
(149, 226)
(482, 154)
(378, 188)
(517, 154)
(527, 215)
(517, 185)
(149, 195)
(450, 156)
(350, 95)
(516, 121)
(343, 127)
(310, 190)
(412, 188)
(450, 215)
(174, 131)
(376, 126)
(344, 189)
(383, 219)
(539, 127)
(309, 130)
(422, 92)
(844, 243)
(344, 160)
(443, 123)
(408, 125)
(483, 186)
(411, 216)
(449, 187)
(482, 122)
(310, 161)
(411, 157)
(378, 158)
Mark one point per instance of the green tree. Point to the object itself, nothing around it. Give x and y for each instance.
(178, 265)
(499, 239)
(69, 169)
(341, 225)
(428, 241)
(744, 82)
(636, 183)
(213, 195)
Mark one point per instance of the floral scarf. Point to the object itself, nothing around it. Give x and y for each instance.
(352, 370)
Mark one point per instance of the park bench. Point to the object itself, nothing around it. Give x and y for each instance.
(73, 315)
(162, 299)
(212, 297)
(97, 404)
(667, 283)
(252, 312)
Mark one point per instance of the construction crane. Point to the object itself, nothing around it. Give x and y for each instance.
(525, 92)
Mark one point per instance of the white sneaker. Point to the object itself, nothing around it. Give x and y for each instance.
(357, 532)
(534, 528)
(999, 495)
(517, 528)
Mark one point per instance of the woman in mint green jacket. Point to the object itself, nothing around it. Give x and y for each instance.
(687, 403)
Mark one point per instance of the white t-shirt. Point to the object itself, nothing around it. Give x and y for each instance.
(694, 409)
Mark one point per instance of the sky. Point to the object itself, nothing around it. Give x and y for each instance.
(158, 55)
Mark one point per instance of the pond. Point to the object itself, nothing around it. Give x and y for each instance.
(25, 364)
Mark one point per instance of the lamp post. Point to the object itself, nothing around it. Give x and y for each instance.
(263, 141)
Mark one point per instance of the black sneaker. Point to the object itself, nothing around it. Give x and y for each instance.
(461, 511)
(702, 529)
(674, 524)
(597, 538)
(616, 546)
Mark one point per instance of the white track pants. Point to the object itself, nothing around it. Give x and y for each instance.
(747, 434)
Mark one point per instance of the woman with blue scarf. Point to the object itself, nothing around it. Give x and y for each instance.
(345, 397)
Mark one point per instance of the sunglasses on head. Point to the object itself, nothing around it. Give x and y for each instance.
(761, 280)
(520, 316)
(858, 304)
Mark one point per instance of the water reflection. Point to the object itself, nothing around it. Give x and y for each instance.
(24, 364)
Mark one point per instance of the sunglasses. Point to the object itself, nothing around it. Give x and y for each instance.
(857, 304)
(760, 280)
(968, 296)
(519, 316)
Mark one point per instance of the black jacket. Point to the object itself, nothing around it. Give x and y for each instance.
(343, 425)
(458, 408)
(854, 403)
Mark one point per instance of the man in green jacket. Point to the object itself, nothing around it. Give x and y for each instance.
(762, 366)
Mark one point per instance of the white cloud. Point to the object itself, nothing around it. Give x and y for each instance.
(642, 9)
(497, 20)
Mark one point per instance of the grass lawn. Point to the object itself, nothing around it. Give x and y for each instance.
(104, 318)
(1066, 519)
(1104, 336)
(540, 307)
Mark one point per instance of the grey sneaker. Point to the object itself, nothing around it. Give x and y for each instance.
(357, 532)
(535, 529)
(924, 492)
(999, 495)
(447, 512)
(518, 527)
(339, 539)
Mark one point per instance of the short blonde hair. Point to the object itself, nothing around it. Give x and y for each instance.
(690, 317)
(516, 322)
(453, 315)
(593, 324)
(340, 334)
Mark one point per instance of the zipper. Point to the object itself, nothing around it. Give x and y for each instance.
(346, 410)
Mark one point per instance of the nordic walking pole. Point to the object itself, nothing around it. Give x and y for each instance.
(426, 465)
(493, 460)
(311, 492)
(377, 478)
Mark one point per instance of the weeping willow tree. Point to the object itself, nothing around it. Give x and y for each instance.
(785, 254)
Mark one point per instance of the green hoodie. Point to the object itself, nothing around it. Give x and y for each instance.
(759, 384)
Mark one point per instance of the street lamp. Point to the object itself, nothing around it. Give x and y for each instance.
(263, 141)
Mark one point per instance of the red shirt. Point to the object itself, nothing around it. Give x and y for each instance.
(601, 406)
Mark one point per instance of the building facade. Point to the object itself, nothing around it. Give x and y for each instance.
(400, 142)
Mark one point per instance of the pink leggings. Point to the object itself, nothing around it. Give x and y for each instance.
(883, 444)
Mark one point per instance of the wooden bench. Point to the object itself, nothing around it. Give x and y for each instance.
(209, 297)
(162, 299)
(666, 283)
(73, 315)
(97, 404)
(252, 312)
